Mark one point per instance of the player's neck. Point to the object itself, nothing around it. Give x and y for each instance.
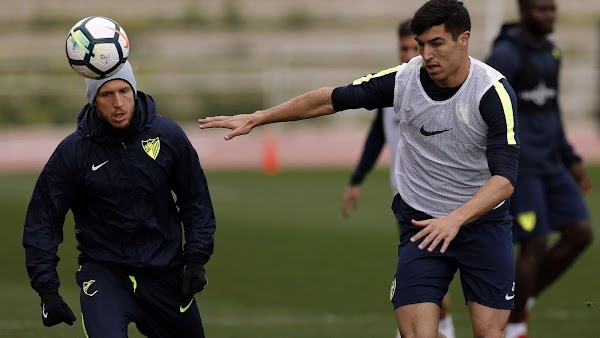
(537, 40)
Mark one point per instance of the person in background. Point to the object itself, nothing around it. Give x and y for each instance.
(384, 129)
(548, 194)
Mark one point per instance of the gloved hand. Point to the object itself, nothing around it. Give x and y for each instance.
(55, 310)
(194, 280)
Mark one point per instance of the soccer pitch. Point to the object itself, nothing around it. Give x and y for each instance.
(286, 264)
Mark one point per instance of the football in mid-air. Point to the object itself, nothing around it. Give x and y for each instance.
(97, 47)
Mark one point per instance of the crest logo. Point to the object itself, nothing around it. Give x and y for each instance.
(527, 220)
(462, 112)
(151, 147)
(86, 287)
(539, 95)
(104, 57)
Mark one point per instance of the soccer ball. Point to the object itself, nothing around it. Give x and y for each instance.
(97, 47)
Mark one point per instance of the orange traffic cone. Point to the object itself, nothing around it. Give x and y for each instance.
(270, 156)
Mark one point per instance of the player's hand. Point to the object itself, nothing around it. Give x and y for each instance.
(581, 177)
(240, 124)
(194, 280)
(350, 199)
(435, 231)
(55, 310)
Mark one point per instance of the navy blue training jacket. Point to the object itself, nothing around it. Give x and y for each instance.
(120, 190)
(534, 74)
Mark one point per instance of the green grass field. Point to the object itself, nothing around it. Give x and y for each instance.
(287, 265)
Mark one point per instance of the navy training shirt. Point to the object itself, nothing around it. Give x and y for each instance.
(533, 73)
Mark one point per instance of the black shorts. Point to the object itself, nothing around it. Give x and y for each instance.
(542, 204)
(483, 253)
(113, 297)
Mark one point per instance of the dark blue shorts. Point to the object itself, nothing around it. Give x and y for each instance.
(542, 204)
(112, 297)
(483, 253)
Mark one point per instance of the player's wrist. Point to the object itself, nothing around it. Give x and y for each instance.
(194, 266)
(196, 259)
(194, 280)
(48, 293)
(459, 217)
(259, 118)
(355, 180)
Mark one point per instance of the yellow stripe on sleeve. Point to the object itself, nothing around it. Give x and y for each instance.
(556, 53)
(372, 76)
(509, 115)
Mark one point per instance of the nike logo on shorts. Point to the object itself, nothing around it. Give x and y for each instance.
(509, 297)
(184, 309)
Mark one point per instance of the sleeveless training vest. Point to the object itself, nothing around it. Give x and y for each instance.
(440, 159)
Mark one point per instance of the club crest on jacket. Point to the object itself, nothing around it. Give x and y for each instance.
(151, 147)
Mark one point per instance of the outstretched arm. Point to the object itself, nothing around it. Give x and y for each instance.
(312, 104)
(369, 92)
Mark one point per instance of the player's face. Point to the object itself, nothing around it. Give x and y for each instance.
(445, 59)
(115, 103)
(538, 16)
(407, 48)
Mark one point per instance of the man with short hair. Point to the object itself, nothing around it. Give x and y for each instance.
(384, 129)
(456, 165)
(548, 195)
(117, 173)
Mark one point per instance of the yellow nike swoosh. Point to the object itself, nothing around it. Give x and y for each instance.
(184, 309)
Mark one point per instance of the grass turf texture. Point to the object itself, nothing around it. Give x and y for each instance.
(287, 265)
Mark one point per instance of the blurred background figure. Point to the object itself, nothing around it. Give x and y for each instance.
(384, 129)
(548, 195)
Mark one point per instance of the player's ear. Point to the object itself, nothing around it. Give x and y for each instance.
(463, 39)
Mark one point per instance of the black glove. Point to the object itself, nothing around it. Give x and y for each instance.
(194, 280)
(55, 310)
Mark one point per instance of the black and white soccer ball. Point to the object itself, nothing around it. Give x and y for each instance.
(97, 47)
